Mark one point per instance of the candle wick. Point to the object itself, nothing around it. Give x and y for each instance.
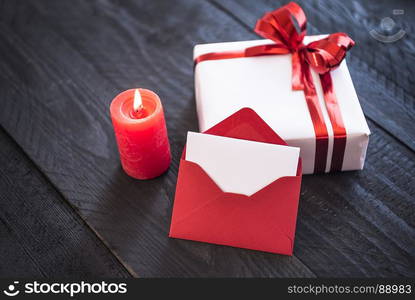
(138, 101)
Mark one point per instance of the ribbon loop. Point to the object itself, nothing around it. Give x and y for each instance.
(285, 26)
(326, 54)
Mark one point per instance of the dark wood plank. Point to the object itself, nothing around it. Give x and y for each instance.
(361, 223)
(63, 62)
(16, 262)
(41, 235)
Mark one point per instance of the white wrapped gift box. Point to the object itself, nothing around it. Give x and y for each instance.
(263, 83)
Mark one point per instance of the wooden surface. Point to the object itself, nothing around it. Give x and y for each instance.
(67, 208)
(41, 235)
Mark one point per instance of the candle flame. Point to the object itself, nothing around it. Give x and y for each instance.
(138, 102)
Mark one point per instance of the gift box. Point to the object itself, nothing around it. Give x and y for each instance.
(247, 203)
(299, 85)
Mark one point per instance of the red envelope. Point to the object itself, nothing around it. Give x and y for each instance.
(264, 221)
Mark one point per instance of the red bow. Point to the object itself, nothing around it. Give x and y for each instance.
(286, 26)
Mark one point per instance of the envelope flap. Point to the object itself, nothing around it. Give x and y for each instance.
(246, 124)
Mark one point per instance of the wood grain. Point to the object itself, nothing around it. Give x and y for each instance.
(62, 62)
(41, 236)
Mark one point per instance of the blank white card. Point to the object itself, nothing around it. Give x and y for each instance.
(241, 166)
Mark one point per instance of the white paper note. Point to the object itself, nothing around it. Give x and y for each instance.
(241, 166)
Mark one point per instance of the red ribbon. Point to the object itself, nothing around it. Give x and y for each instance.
(286, 26)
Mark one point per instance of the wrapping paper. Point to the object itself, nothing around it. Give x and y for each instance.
(263, 83)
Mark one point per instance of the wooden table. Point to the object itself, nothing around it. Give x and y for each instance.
(67, 208)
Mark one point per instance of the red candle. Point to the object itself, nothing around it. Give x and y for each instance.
(141, 134)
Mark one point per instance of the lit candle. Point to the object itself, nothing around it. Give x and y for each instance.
(141, 134)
